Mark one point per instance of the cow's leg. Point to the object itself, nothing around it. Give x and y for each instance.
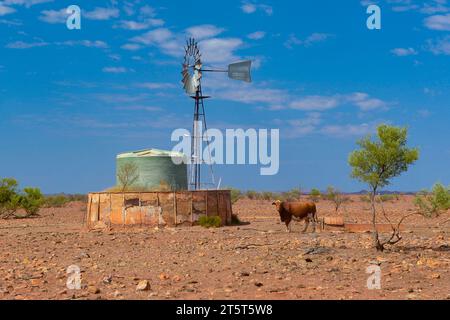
(314, 223)
(306, 225)
(288, 225)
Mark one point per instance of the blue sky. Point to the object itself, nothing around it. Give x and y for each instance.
(70, 100)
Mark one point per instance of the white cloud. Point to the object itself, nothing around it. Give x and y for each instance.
(85, 43)
(162, 38)
(364, 101)
(155, 85)
(439, 46)
(115, 70)
(248, 8)
(323, 103)
(317, 103)
(136, 25)
(147, 11)
(402, 52)
(213, 48)
(404, 8)
(101, 13)
(366, 3)
(438, 22)
(53, 16)
(218, 50)
(131, 47)
(256, 35)
(313, 123)
(204, 31)
(4, 10)
(25, 3)
(252, 7)
(25, 45)
(11, 22)
(71, 43)
(347, 130)
(309, 41)
(140, 108)
(251, 95)
(438, 6)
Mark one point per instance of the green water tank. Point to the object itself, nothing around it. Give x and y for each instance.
(153, 170)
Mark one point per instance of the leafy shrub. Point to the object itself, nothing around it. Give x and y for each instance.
(60, 200)
(236, 194)
(389, 197)
(9, 198)
(294, 194)
(31, 201)
(252, 195)
(12, 199)
(210, 222)
(268, 196)
(435, 202)
(315, 195)
(335, 196)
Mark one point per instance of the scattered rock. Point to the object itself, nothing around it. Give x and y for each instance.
(93, 289)
(164, 276)
(316, 250)
(176, 278)
(107, 279)
(37, 282)
(143, 285)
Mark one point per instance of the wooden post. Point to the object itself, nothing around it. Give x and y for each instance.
(206, 192)
(88, 221)
(158, 206)
(123, 209)
(218, 207)
(175, 208)
(192, 208)
(98, 207)
(110, 210)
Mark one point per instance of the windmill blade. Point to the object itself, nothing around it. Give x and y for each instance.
(240, 71)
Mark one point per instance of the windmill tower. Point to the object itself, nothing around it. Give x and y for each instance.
(192, 74)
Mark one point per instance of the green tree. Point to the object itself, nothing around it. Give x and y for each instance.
(335, 196)
(315, 194)
(435, 202)
(377, 162)
(9, 198)
(127, 175)
(31, 201)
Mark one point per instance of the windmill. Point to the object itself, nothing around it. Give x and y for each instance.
(192, 74)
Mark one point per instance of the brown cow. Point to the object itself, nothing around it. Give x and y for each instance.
(298, 211)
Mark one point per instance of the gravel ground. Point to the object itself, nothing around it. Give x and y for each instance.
(257, 260)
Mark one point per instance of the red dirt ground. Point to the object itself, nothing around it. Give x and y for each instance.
(258, 260)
